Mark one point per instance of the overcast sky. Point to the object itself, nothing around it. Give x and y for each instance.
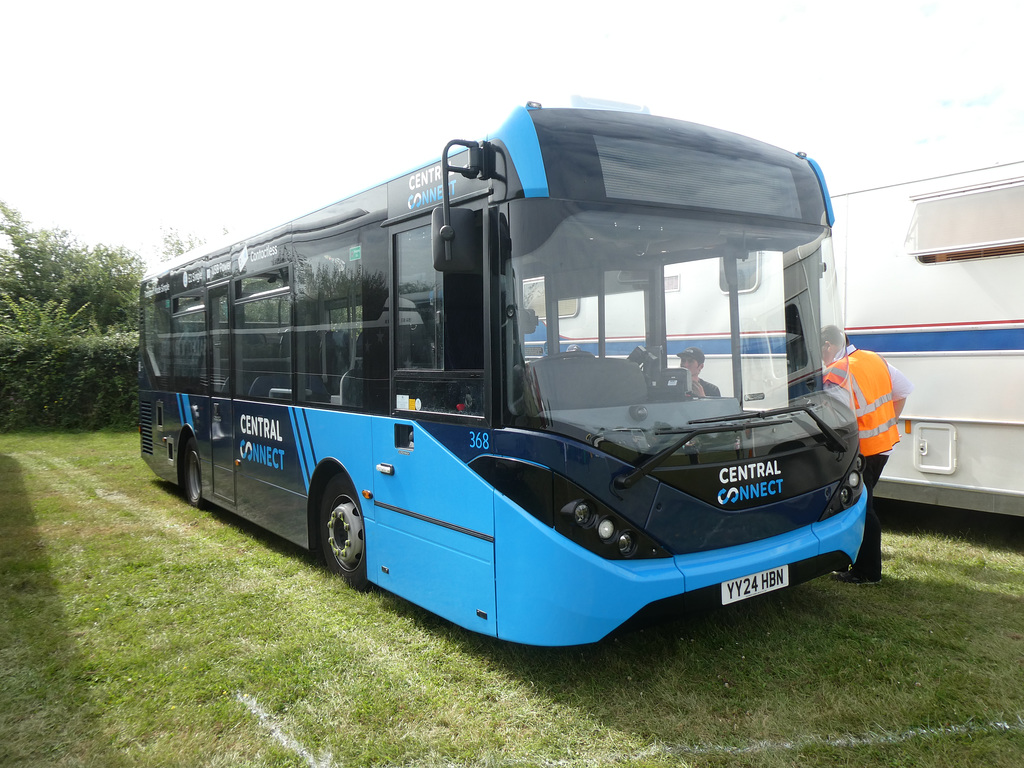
(118, 119)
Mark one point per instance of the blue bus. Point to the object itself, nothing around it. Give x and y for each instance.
(477, 385)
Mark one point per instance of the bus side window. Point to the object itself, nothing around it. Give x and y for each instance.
(797, 358)
(464, 322)
(439, 331)
(263, 336)
(419, 341)
(341, 319)
(220, 340)
(156, 337)
(188, 344)
(440, 322)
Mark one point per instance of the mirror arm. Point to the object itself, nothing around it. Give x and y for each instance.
(477, 169)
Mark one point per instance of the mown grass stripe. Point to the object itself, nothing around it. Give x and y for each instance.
(130, 624)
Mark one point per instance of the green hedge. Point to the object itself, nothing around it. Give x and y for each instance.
(86, 382)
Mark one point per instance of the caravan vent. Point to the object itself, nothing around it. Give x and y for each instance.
(978, 223)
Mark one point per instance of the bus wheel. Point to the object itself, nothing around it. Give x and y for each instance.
(192, 478)
(342, 535)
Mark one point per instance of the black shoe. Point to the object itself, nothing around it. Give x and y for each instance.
(849, 577)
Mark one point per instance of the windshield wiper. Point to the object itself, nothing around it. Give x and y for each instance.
(629, 480)
(833, 440)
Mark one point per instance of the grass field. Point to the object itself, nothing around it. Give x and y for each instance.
(137, 631)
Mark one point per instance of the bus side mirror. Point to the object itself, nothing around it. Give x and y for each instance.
(457, 246)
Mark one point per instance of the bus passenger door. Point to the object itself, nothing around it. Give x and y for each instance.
(221, 421)
(432, 538)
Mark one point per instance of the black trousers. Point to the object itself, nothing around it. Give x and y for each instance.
(869, 560)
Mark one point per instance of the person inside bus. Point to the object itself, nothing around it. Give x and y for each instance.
(692, 359)
(880, 391)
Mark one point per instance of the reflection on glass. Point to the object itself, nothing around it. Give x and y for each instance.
(631, 327)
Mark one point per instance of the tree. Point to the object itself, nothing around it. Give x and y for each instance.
(35, 265)
(26, 320)
(49, 268)
(176, 244)
(107, 281)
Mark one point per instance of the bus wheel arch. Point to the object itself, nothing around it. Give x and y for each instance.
(336, 520)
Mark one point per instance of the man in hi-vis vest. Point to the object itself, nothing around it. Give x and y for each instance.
(880, 392)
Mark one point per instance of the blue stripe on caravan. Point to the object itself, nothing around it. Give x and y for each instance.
(300, 447)
(520, 138)
(935, 340)
(753, 345)
(941, 340)
(932, 340)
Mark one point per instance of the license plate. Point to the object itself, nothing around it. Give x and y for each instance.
(755, 584)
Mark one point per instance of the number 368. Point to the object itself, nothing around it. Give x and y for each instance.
(479, 440)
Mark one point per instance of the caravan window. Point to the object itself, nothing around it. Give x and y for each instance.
(971, 224)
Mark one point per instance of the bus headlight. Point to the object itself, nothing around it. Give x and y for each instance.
(627, 544)
(581, 512)
(575, 514)
(582, 515)
(849, 490)
(601, 530)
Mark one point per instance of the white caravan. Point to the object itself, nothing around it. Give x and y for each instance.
(932, 274)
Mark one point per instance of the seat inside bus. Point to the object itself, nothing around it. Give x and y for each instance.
(573, 380)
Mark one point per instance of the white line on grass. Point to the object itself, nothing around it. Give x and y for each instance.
(280, 736)
(880, 738)
(870, 740)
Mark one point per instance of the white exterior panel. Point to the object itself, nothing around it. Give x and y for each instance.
(955, 328)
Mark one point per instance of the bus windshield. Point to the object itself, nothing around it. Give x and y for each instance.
(631, 327)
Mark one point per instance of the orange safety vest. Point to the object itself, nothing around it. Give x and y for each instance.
(872, 392)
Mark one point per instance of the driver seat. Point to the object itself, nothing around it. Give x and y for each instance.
(575, 380)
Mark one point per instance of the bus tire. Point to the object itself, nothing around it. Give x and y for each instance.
(192, 475)
(342, 533)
